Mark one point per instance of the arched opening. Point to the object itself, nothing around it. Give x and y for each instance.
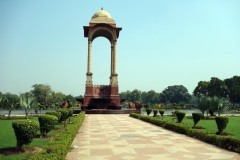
(101, 61)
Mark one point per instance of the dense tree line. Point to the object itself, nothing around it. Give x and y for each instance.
(172, 94)
(40, 97)
(178, 94)
(228, 88)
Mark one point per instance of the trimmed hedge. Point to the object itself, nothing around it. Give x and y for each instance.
(221, 123)
(196, 118)
(58, 148)
(57, 114)
(25, 131)
(221, 141)
(47, 123)
(180, 116)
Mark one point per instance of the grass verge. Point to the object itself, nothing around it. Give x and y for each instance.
(61, 144)
(210, 124)
(59, 140)
(227, 142)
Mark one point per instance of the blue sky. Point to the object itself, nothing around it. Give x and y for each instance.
(162, 43)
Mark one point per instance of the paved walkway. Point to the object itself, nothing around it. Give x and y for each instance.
(120, 137)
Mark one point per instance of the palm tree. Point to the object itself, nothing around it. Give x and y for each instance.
(27, 102)
(10, 102)
(219, 104)
(204, 104)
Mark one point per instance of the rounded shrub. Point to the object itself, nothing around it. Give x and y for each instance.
(196, 118)
(47, 123)
(180, 115)
(57, 114)
(155, 111)
(64, 114)
(149, 110)
(25, 131)
(70, 112)
(221, 123)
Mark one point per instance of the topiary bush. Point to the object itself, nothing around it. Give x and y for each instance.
(47, 123)
(149, 110)
(155, 112)
(64, 114)
(196, 118)
(221, 123)
(180, 115)
(70, 112)
(161, 112)
(57, 114)
(25, 131)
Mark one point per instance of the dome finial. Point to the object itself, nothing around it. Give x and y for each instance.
(102, 8)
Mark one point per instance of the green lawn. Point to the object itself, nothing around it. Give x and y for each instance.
(233, 126)
(8, 139)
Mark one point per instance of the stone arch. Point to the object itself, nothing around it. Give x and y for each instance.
(102, 31)
(102, 96)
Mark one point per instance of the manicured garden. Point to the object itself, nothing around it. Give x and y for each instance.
(205, 130)
(51, 141)
(209, 125)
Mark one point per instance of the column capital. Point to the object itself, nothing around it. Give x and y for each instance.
(89, 40)
(115, 41)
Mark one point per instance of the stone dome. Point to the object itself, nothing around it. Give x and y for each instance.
(102, 16)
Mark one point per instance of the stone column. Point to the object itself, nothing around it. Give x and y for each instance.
(111, 59)
(115, 57)
(89, 67)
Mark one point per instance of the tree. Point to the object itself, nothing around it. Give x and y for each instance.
(201, 89)
(58, 98)
(42, 92)
(233, 89)
(151, 97)
(144, 97)
(27, 102)
(1, 98)
(126, 95)
(204, 104)
(216, 87)
(175, 94)
(10, 102)
(193, 100)
(218, 104)
(136, 95)
(71, 100)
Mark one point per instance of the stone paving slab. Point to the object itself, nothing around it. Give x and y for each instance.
(120, 137)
